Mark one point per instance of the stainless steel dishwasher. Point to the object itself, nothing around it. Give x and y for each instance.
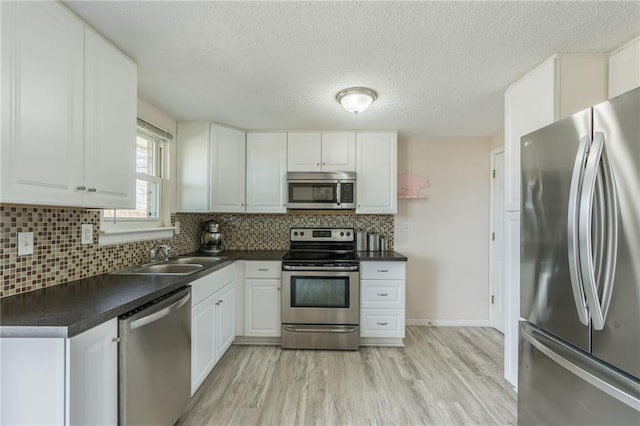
(155, 361)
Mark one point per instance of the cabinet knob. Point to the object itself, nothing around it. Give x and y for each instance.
(278, 288)
(317, 164)
(217, 303)
(324, 164)
(220, 302)
(81, 188)
(92, 190)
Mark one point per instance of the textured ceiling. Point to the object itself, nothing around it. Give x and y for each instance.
(440, 68)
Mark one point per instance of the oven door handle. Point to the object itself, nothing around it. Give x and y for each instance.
(319, 268)
(341, 329)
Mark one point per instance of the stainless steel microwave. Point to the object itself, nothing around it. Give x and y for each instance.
(321, 190)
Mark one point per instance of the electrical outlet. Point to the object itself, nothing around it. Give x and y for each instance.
(405, 226)
(87, 233)
(176, 231)
(25, 243)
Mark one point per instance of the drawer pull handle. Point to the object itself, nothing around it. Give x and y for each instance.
(263, 269)
(383, 294)
(383, 270)
(382, 323)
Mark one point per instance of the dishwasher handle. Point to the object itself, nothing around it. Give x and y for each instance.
(155, 316)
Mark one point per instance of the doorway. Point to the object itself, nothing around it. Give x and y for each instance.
(496, 242)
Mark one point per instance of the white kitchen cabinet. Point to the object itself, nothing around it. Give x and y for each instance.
(558, 88)
(382, 301)
(111, 99)
(61, 381)
(228, 169)
(262, 299)
(67, 110)
(266, 172)
(321, 151)
(376, 172)
(624, 68)
(212, 321)
(211, 168)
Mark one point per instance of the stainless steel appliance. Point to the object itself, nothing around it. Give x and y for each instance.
(211, 238)
(321, 190)
(579, 360)
(321, 290)
(155, 361)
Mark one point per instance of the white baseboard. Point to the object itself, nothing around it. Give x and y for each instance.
(448, 323)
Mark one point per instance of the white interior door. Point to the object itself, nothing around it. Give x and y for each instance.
(496, 249)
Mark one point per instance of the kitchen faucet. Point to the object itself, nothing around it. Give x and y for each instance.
(155, 252)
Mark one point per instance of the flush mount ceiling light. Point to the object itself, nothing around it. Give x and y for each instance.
(356, 99)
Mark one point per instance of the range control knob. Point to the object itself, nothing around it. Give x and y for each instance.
(295, 233)
(348, 234)
(302, 233)
(342, 234)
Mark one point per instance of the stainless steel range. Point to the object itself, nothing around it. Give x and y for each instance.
(321, 290)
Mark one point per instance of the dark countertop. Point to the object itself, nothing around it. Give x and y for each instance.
(382, 255)
(67, 310)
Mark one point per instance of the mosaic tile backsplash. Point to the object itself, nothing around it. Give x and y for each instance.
(59, 257)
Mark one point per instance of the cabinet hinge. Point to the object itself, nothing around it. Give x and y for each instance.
(494, 173)
(492, 299)
(493, 236)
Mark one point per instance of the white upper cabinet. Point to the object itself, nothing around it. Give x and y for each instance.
(211, 168)
(624, 69)
(111, 86)
(338, 151)
(560, 87)
(228, 169)
(42, 104)
(68, 113)
(266, 172)
(377, 172)
(326, 152)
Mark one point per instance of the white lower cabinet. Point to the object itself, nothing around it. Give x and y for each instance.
(61, 381)
(262, 298)
(382, 300)
(212, 322)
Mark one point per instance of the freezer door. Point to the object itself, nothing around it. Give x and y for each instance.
(560, 385)
(546, 292)
(618, 343)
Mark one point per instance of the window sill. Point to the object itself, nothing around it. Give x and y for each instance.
(119, 236)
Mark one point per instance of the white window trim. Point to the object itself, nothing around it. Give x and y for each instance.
(119, 236)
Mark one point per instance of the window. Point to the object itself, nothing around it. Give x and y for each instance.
(147, 221)
(149, 175)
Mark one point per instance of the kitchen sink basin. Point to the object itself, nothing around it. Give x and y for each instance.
(196, 259)
(162, 269)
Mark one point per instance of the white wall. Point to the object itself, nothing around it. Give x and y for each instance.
(496, 141)
(447, 240)
(624, 68)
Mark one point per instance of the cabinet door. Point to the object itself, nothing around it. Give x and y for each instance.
(338, 152)
(262, 308)
(42, 104)
(304, 152)
(93, 390)
(225, 319)
(228, 170)
(203, 341)
(266, 172)
(194, 192)
(376, 172)
(111, 87)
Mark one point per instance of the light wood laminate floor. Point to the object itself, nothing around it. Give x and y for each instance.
(443, 376)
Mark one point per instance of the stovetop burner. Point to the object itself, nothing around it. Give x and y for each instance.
(321, 246)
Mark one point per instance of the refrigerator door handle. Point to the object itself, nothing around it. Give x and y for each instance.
(598, 165)
(572, 230)
(554, 351)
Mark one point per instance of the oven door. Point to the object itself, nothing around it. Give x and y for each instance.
(320, 297)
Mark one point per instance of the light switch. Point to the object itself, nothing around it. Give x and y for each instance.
(25, 243)
(87, 233)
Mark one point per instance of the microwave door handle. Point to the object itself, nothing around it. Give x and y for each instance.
(338, 192)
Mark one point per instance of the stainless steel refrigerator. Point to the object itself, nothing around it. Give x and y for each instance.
(579, 352)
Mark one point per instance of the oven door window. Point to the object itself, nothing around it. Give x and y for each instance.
(320, 292)
(312, 193)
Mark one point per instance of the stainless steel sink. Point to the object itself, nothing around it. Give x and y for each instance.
(196, 259)
(162, 269)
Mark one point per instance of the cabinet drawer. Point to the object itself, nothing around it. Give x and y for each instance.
(263, 269)
(209, 284)
(382, 323)
(382, 270)
(382, 294)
